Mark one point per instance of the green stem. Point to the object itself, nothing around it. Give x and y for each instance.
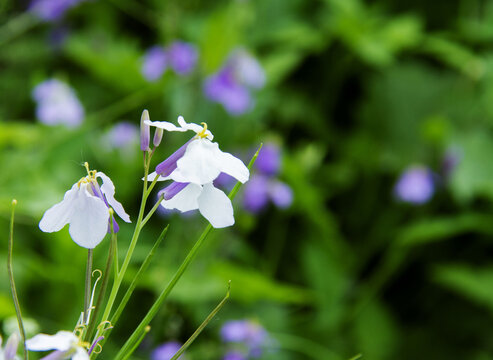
(154, 208)
(203, 325)
(13, 290)
(305, 346)
(17, 26)
(137, 343)
(104, 284)
(87, 292)
(191, 255)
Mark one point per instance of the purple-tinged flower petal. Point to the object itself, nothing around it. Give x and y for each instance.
(248, 70)
(281, 194)
(145, 131)
(171, 190)
(416, 185)
(269, 159)
(235, 330)
(154, 63)
(256, 194)
(51, 10)
(11, 347)
(182, 57)
(169, 165)
(166, 351)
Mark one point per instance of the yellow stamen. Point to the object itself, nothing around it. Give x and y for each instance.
(203, 134)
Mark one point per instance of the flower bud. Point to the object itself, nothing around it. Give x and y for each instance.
(158, 136)
(145, 131)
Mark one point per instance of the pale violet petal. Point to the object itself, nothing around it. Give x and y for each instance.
(165, 125)
(108, 190)
(216, 207)
(185, 200)
(153, 175)
(62, 340)
(194, 127)
(11, 347)
(80, 354)
(56, 217)
(198, 164)
(89, 222)
(231, 165)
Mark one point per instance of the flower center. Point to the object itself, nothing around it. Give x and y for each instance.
(91, 175)
(203, 134)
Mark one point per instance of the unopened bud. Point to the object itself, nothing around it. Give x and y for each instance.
(158, 136)
(145, 131)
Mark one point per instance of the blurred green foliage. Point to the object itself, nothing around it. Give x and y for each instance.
(356, 92)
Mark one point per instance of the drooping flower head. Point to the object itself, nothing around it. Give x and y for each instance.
(154, 63)
(85, 208)
(193, 168)
(10, 350)
(57, 104)
(166, 351)
(52, 10)
(66, 345)
(416, 185)
(231, 85)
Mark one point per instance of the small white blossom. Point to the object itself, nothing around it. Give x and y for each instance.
(194, 167)
(10, 350)
(65, 344)
(85, 208)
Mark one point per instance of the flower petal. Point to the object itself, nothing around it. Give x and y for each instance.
(11, 347)
(185, 200)
(198, 164)
(108, 190)
(62, 340)
(165, 125)
(153, 175)
(89, 221)
(56, 217)
(194, 127)
(80, 354)
(231, 165)
(216, 207)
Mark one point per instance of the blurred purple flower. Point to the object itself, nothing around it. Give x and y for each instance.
(230, 86)
(122, 135)
(234, 355)
(166, 351)
(248, 333)
(57, 104)
(154, 63)
(416, 185)
(281, 194)
(182, 57)
(269, 159)
(256, 193)
(223, 89)
(225, 181)
(52, 10)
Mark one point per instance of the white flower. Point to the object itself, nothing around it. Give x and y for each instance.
(85, 208)
(65, 344)
(194, 167)
(10, 350)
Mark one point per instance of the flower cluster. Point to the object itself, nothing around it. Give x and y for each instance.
(52, 10)
(193, 168)
(57, 104)
(249, 339)
(264, 187)
(180, 56)
(231, 85)
(85, 208)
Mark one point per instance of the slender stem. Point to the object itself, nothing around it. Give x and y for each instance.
(154, 208)
(128, 256)
(137, 343)
(203, 325)
(13, 290)
(106, 277)
(191, 255)
(87, 292)
(17, 26)
(133, 285)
